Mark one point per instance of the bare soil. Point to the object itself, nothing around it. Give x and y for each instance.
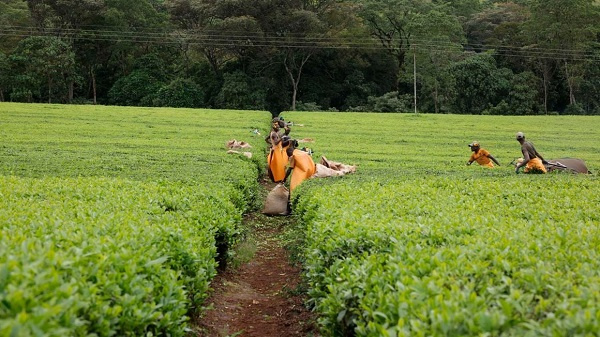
(260, 297)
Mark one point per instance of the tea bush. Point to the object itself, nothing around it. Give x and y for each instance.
(110, 216)
(418, 244)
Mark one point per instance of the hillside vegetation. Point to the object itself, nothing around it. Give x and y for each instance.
(112, 219)
(520, 57)
(416, 243)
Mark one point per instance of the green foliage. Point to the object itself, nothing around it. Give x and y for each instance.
(445, 257)
(142, 86)
(4, 75)
(308, 106)
(138, 88)
(337, 54)
(104, 256)
(417, 243)
(479, 84)
(240, 91)
(12, 12)
(493, 26)
(153, 65)
(43, 62)
(521, 98)
(389, 102)
(181, 93)
(110, 217)
(574, 109)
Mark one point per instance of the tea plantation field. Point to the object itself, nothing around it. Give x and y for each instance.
(110, 217)
(416, 243)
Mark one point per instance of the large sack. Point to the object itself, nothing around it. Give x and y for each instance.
(573, 165)
(337, 166)
(323, 171)
(277, 201)
(237, 144)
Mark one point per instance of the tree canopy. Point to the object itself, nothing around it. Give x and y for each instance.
(466, 56)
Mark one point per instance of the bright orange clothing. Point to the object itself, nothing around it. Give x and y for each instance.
(481, 157)
(304, 167)
(277, 160)
(535, 165)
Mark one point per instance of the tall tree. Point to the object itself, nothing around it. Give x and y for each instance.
(14, 23)
(493, 26)
(47, 58)
(302, 28)
(392, 23)
(440, 38)
(560, 33)
(463, 10)
(78, 22)
(194, 20)
(4, 75)
(479, 84)
(590, 86)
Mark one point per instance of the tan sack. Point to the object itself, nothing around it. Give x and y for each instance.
(237, 144)
(247, 154)
(323, 171)
(337, 166)
(277, 201)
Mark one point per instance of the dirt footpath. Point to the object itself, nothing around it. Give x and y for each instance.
(259, 297)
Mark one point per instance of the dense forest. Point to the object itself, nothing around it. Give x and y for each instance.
(459, 56)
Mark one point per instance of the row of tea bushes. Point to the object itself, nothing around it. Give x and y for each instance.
(124, 210)
(106, 257)
(142, 144)
(443, 256)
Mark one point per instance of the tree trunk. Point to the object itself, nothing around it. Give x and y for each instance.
(71, 89)
(570, 84)
(49, 89)
(295, 80)
(400, 71)
(93, 75)
(1, 95)
(545, 95)
(414, 79)
(294, 95)
(213, 60)
(545, 76)
(436, 96)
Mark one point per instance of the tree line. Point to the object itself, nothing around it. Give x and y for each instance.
(463, 56)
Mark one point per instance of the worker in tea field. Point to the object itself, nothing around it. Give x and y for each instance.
(277, 125)
(277, 158)
(482, 156)
(532, 160)
(301, 167)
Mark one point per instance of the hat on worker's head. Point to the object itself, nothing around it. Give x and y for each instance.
(474, 144)
(520, 135)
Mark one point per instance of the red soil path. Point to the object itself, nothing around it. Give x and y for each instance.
(259, 298)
